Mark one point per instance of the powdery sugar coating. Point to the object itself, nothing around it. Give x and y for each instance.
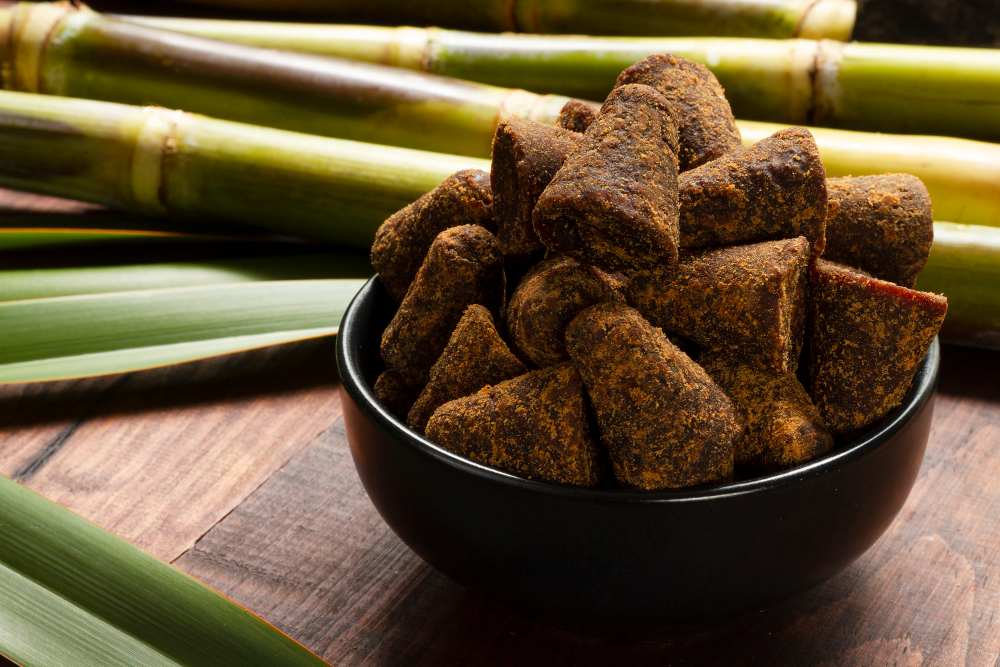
(577, 115)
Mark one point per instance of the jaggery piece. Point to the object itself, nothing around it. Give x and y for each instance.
(776, 189)
(395, 393)
(475, 357)
(867, 337)
(402, 242)
(783, 426)
(463, 266)
(577, 115)
(613, 203)
(881, 224)
(664, 422)
(749, 301)
(526, 155)
(534, 425)
(551, 295)
(705, 123)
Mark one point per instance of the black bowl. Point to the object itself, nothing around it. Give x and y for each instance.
(624, 562)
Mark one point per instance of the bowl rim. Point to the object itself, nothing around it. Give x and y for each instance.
(921, 390)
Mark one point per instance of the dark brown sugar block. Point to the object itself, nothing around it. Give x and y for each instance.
(464, 198)
(577, 115)
(783, 426)
(613, 203)
(534, 425)
(395, 393)
(749, 301)
(866, 339)
(475, 357)
(705, 123)
(463, 266)
(551, 295)
(663, 420)
(775, 189)
(526, 155)
(881, 224)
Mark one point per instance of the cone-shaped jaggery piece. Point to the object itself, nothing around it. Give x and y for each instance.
(526, 155)
(475, 357)
(395, 393)
(534, 425)
(663, 420)
(613, 203)
(705, 123)
(866, 339)
(402, 241)
(783, 426)
(577, 115)
(748, 301)
(551, 295)
(776, 189)
(464, 266)
(881, 224)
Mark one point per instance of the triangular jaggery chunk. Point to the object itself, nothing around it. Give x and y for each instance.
(402, 242)
(783, 426)
(776, 189)
(613, 203)
(748, 301)
(534, 425)
(475, 357)
(881, 224)
(664, 422)
(577, 115)
(395, 393)
(866, 339)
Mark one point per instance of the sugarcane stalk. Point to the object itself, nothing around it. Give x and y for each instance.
(876, 87)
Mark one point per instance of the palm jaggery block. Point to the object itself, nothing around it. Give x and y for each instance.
(577, 115)
(551, 295)
(526, 155)
(783, 426)
(748, 300)
(866, 339)
(402, 242)
(705, 123)
(534, 425)
(775, 189)
(663, 420)
(475, 357)
(463, 266)
(881, 224)
(613, 204)
(395, 393)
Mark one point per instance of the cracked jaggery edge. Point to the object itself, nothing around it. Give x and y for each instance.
(748, 300)
(576, 115)
(705, 123)
(551, 295)
(774, 189)
(866, 340)
(535, 425)
(663, 420)
(463, 266)
(783, 426)
(881, 224)
(475, 357)
(464, 198)
(613, 204)
(395, 393)
(526, 155)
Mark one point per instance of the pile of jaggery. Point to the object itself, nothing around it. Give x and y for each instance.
(633, 299)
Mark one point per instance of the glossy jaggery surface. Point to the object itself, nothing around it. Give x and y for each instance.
(526, 155)
(663, 421)
(464, 198)
(866, 339)
(545, 301)
(613, 204)
(577, 115)
(783, 426)
(705, 123)
(881, 224)
(749, 301)
(475, 357)
(534, 425)
(395, 393)
(463, 266)
(774, 189)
